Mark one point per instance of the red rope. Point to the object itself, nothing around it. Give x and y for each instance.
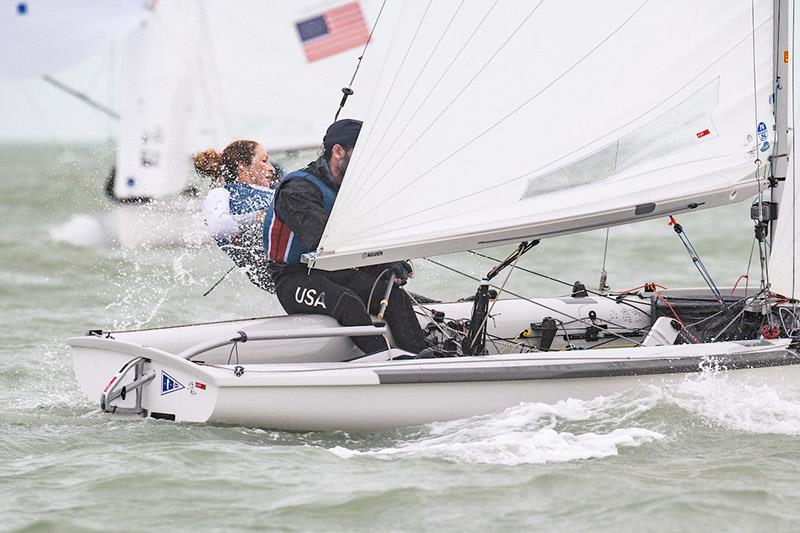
(645, 286)
(743, 276)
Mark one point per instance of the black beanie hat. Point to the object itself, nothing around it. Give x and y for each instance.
(344, 132)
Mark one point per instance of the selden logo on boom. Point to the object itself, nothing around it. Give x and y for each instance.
(376, 253)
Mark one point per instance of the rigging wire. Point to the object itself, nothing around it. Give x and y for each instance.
(577, 319)
(603, 285)
(732, 305)
(427, 314)
(347, 91)
(562, 282)
(695, 258)
(749, 264)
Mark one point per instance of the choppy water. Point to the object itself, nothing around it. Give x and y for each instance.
(707, 454)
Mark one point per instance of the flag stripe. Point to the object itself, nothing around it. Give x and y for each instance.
(354, 38)
(346, 29)
(336, 43)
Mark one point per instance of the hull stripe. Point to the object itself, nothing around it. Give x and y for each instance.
(590, 370)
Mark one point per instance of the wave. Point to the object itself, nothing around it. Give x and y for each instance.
(738, 404)
(536, 433)
(528, 433)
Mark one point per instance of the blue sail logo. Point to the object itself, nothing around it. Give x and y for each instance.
(169, 384)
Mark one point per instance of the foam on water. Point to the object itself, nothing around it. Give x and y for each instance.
(22, 278)
(81, 230)
(529, 433)
(743, 405)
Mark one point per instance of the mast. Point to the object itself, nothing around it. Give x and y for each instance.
(779, 161)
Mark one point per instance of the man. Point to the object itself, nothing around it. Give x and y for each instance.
(294, 226)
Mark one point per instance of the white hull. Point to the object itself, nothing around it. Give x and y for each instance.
(307, 384)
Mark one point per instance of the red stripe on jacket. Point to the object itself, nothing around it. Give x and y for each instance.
(278, 240)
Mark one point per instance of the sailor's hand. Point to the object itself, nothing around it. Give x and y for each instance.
(402, 271)
(260, 215)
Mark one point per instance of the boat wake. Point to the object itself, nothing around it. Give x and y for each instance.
(737, 405)
(530, 433)
(537, 433)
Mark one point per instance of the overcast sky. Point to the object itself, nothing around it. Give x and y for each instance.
(34, 111)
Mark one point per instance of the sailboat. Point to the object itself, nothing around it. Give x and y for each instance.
(493, 123)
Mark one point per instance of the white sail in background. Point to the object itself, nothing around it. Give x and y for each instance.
(202, 74)
(496, 122)
(41, 36)
(158, 98)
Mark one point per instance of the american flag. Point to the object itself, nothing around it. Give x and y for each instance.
(333, 31)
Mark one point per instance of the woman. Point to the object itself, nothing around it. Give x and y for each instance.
(242, 178)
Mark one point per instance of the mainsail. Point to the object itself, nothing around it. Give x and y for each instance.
(158, 101)
(498, 122)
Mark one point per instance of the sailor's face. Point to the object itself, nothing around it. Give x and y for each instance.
(345, 161)
(260, 171)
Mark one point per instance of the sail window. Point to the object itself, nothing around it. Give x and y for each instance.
(676, 129)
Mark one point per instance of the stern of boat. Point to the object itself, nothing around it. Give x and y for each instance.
(127, 378)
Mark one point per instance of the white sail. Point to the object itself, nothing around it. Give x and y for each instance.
(157, 100)
(41, 36)
(500, 122)
(784, 267)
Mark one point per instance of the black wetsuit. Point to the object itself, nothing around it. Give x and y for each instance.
(342, 294)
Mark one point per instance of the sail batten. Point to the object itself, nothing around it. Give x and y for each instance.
(583, 106)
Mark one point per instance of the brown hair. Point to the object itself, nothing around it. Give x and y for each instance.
(224, 167)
